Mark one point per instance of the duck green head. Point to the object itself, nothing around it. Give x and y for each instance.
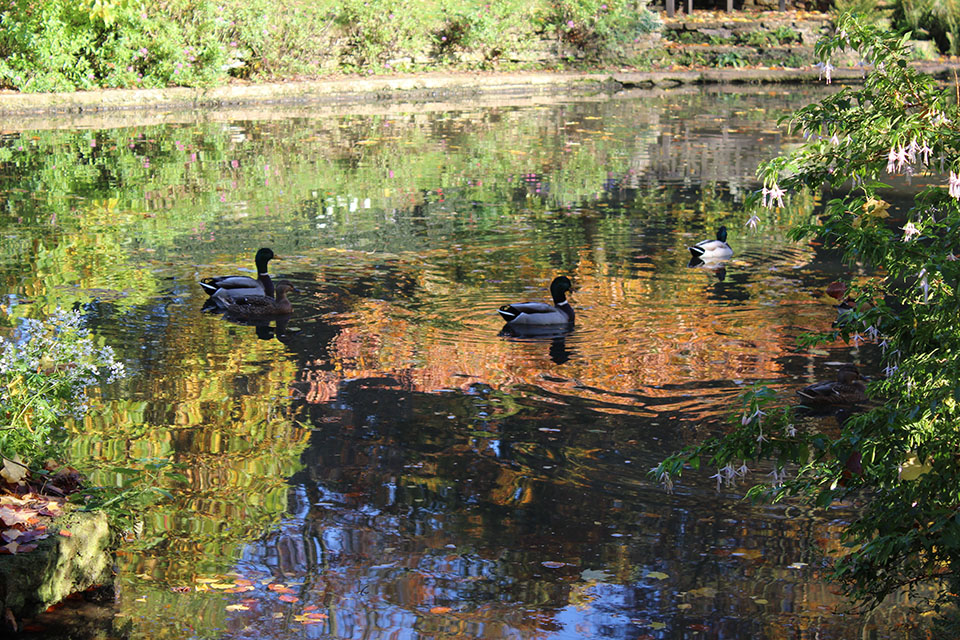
(722, 233)
(264, 256)
(559, 288)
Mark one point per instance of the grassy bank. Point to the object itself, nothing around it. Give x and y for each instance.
(64, 45)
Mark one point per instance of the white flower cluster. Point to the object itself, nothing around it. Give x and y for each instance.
(901, 159)
(729, 475)
(59, 351)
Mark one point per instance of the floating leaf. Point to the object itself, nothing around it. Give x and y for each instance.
(657, 575)
(440, 610)
(286, 597)
(237, 607)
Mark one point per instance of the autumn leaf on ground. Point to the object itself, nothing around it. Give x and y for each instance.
(12, 517)
(15, 547)
(13, 471)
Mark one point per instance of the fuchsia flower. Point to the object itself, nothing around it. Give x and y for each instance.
(953, 185)
(909, 231)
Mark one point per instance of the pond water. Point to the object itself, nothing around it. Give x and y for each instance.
(387, 463)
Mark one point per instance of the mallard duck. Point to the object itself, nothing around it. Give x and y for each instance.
(239, 286)
(540, 313)
(848, 389)
(712, 250)
(257, 306)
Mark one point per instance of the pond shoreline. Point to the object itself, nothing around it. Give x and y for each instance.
(427, 87)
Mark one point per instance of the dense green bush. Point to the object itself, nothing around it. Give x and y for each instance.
(939, 19)
(62, 45)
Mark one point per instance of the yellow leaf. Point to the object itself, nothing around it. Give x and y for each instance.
(223, 585)
(912, 468)
(237, 607)
(657, 575)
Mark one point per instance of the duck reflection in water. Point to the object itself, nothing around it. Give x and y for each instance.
(556, 335)
(717, 267)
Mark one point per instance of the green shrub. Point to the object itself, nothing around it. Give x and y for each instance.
(730, 59)
(61, 45)
(598, 28)
(44, 376)
(940, 19)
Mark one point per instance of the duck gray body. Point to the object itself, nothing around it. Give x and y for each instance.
(240, 286)
(712, 250)
(540, 313)
(257, 306)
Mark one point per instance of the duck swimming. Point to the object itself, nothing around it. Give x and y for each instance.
(540, 313)
(257, 306)
(239, 286)
(712, 250)
(848, 389)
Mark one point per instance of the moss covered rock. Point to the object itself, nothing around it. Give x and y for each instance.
(59, 566)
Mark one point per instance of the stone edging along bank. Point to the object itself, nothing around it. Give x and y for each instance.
(419, 87)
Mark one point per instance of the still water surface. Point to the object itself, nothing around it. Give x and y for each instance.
(388, 464)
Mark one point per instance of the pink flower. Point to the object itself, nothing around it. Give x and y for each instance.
(570, 23)
(954, 185)
(892, 161)
(909, 231)
(775, 195)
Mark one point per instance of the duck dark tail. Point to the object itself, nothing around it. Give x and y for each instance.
(208, 286)
(507, 312)
(696, 252)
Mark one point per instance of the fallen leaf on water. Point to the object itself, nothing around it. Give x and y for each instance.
(761, 601)
(65, 533)
(657, 575)
(684, 605)
(440, 610)
(289, 598)
(279, 588)
(307, 619)
(703, 592)
(237, 607)
(239, 589)
(223, 585)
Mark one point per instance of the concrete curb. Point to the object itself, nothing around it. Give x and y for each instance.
(421, 87)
